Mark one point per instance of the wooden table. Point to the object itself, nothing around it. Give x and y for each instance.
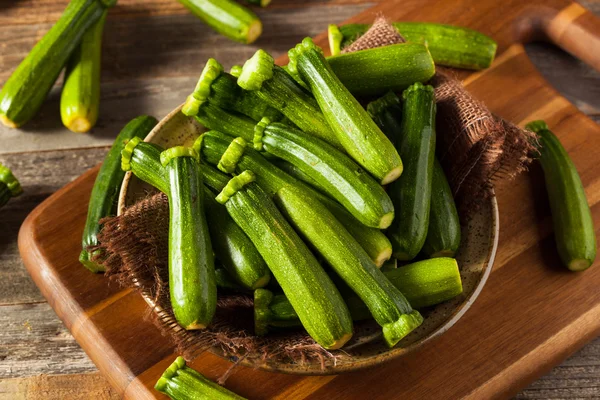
(38, 356)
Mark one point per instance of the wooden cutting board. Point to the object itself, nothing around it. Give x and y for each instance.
(531, 315)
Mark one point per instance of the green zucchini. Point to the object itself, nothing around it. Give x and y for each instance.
(411, 194)
(346, 257)
(230, 244)
(192, 282)
(235, 124)
(222, 90)
(357, 133)
(262, 3)
(374, 71)
(452, 46)
(424, 283)
(275, 86)
(181, 382)
(342, 178)
(443, 233)
(297, 173)
(311, 292)
(9, 185)
(573, 223)
(228, 18)
(25, 90)
(214, 144)
(80, 98)
(103, 199)
(225, 281)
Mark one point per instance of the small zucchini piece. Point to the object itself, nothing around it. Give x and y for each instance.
(80, 98)
(228, 18)
(214, 144)
(347, 258)
(423, 283)
(275, 86)
(26, 89)
(311, 292)
(411, 194)
(231, 246)
(343, 179)
(573, 223)
(372, 72)
(359, 135)
(452, 46)
(192, 282)
(103, 199)
(262, 3)
(9, 185)
(222, 90)
(443, 233)
(181, 382)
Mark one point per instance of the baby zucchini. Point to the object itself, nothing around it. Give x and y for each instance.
(573, 224)
(192, 283)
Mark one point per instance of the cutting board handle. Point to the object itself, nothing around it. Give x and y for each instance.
(577, 31)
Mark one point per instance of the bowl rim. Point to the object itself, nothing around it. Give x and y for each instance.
(370, 360)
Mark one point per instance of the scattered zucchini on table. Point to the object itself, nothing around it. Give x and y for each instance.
(103, 199)
(181, 382)
(80, 97)
(9, 185)
(573, 224)
(451, 46)
(25, 90)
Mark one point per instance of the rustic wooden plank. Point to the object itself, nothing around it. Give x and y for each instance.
(148, 77)
(58, 387)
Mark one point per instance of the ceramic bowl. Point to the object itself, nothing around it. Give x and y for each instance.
(475, 259)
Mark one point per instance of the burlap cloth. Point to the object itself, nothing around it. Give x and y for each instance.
(474, 146)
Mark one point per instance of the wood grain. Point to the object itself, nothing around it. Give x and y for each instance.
(53, 387)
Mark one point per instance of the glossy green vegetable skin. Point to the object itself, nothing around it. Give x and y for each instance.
(373, 72)
(443, 233)
(275, 86)
(356, 131)
(235, 124)
(103, 199)
(573, 223)
(25, 90)
(181, 382)
(343, 179)
(452, 46)
(192, 284)
(231, 246)
(424, 283)
(316, 300)
(271, 179)
(9, 185)
(326, 234)
(228, 18)
(411, 194)
(80, 98)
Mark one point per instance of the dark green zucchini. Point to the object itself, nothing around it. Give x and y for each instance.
(192, 282)
(347, 258)
(424, 283)
(315, 298)
(573, 223)
(25, 90)
(181, 382)
(372, 72)
(103, 200)
(340, 176)
(213, 145)
(9, 185)
(228, 18)
(80, 97)
(359, 135)
(232, 247)
(230, 122)
(411, 194)
(443, 233)
(275, 86)
(452, 46)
